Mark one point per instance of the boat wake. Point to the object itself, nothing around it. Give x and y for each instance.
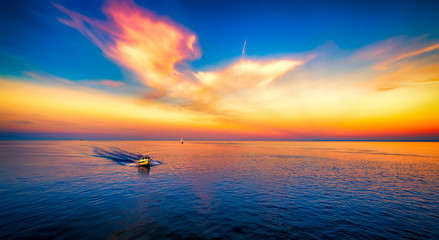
(121, 157)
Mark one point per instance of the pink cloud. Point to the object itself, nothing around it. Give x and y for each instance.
(138, 39)
(152, 46)
(111, 83)
(392, 51)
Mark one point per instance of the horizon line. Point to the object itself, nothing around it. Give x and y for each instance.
(230, 140)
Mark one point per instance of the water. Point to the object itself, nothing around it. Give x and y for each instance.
(207, 190)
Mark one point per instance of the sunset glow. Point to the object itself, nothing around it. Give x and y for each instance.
(387, 89)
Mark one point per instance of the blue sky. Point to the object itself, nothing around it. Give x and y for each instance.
(32, 39)
(164, 69)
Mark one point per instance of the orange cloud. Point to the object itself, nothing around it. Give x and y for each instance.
(385, 54)
(407, 54)
(330, 95)
(399, 62)
(408, 75)
(152, 46)
(31, 107)
(245, 74)
(140, 40)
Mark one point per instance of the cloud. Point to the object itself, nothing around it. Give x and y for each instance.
(23, 122)
(388, 53)
(245, 73)
(140, 40)
(157, 50)
(105, 82)
(408, 74)
(52, 79)
(111, 83)
(407, 54)
(48, 78)
(328, 91)
(400, 61)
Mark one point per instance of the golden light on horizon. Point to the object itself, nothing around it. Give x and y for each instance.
(389, 88)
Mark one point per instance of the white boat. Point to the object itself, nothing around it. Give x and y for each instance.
(182, 141)
(144, 160)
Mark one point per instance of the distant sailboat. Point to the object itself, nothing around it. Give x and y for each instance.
(182, 141)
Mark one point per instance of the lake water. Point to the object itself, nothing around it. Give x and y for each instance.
(221, 190)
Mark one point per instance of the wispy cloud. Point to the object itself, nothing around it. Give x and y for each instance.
(157, 50)
(111, 83)
(383, 89)
(406, 54)
(245, 74)
(105, 82)
(47, 77)
(401, 61)
(140, 40)
(55, 80)
(390, 51)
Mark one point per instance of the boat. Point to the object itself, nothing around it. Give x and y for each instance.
(182, 141)
(144, 160)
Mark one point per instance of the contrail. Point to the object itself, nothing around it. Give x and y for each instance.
(240, 72)
(243, 49)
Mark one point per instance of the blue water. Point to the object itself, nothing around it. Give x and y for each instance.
(219, 190)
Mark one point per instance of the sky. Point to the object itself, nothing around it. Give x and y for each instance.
(219, 70)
